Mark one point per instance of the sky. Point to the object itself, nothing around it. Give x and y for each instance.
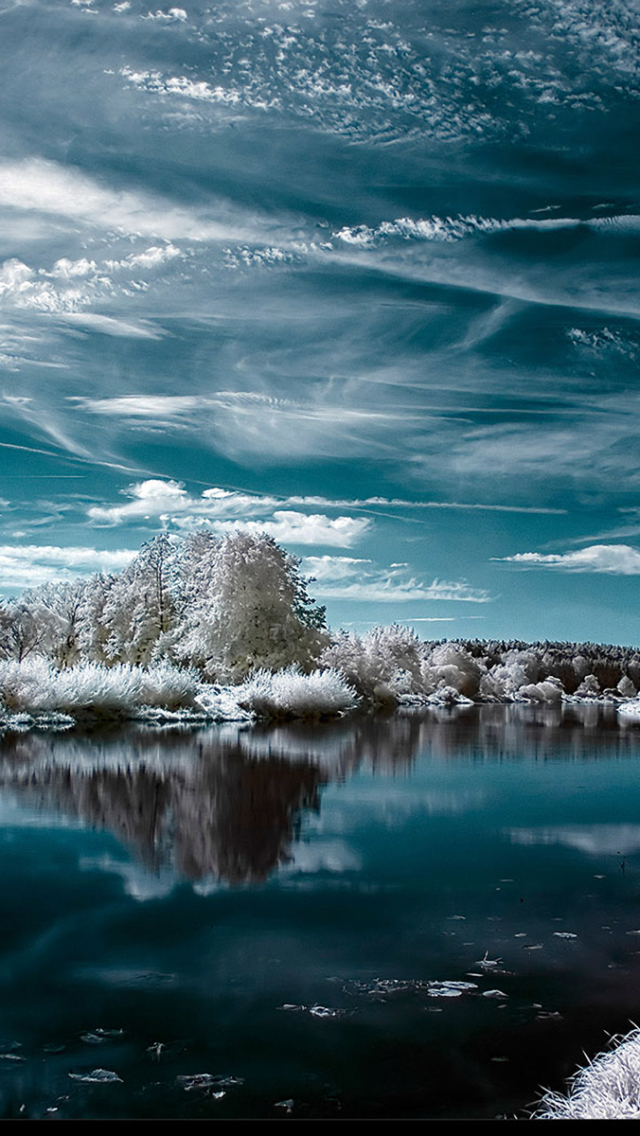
(362, 274)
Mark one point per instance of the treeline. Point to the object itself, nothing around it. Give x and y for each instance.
(235, 609)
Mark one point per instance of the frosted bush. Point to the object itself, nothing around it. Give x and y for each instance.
(168, 686)
(550, 690)
(291, 694)
(607, 1089)
(382, 664)
(626, 687)
(35, 685)
(589, 687)
(449, 664)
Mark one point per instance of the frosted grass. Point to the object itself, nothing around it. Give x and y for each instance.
(163, 692)
(608, 1088)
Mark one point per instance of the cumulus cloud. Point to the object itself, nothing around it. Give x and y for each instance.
(25, 566)
(345, 577)
(224, 511)
(611, 559)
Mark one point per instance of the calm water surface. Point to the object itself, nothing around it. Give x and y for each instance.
(274, 908)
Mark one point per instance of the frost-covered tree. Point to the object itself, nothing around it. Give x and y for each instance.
(93, 631)
(246, 607)
(140, 606)
(47, 621)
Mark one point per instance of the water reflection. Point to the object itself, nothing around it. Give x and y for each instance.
(452, 891)
(226, 803)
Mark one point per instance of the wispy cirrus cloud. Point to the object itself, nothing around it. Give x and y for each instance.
(50, 189)
(611, 559)
(349, 578)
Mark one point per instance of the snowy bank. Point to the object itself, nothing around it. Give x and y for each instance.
(608, 1088)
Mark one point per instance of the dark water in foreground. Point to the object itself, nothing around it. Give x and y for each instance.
(186, 887)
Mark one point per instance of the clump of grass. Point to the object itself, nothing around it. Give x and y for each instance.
(608, 1088)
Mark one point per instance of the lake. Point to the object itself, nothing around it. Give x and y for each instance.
(431, 914)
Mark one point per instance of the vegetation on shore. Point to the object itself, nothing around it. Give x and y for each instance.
(224, 627)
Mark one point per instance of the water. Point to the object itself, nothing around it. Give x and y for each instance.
(273, 907)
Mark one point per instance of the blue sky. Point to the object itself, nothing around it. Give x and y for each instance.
(362, 275)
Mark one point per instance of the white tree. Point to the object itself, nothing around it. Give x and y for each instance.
(247, 607)
(140, 606)
(47, 621)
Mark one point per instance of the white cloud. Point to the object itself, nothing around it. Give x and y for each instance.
(446, 228)
(344, 577)
(223, 511)
(51, 189)
(25, 566)
(124, 329)
(612, 559)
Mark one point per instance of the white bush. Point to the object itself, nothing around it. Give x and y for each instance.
(291, 694)
(607, 1089)
(381, 665)
(35, 685)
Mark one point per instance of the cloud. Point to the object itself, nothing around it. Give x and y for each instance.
(55, 190)
(611, 559)
(288, 527)
(223, 511)
(447, 229)
(596, 839)
(106, 325)
(343, 577)
(26, 566)
(252, 422)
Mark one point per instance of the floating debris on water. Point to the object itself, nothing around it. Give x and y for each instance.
(287, 1105)
(451, 989)
(191, 1082)
(208, 1082)
(532, 946)
(564, 935)
(97, 1076)
(494, 994)
(326, 1012)
(488, 964)
(381, 988)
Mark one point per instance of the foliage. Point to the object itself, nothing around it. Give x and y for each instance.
(291, 694)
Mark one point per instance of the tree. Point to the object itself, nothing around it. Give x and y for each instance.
(248, 607)
(140, 607)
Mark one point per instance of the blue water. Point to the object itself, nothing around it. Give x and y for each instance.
(274, 907)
